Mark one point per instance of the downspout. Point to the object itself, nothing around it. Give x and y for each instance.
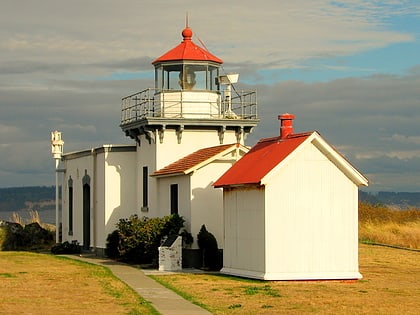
(94, 199)
(57, 206)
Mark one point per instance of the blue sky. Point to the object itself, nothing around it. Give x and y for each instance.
(349, 69)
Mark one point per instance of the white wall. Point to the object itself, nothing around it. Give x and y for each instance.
(311, 222)
(199, 202)
(112, 183)
(157, 155)
(76, 169)
(245, 251)
(207, 201)
(119, 191)
(184, 205)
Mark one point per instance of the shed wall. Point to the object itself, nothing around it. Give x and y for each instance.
(244, 252)
(311, 221)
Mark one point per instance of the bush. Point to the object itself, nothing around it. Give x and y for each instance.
(112, 243)
(29, 237)
(208, 244)
(137, 240)
(66, 248)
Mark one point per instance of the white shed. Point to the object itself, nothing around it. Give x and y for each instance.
(291, 210)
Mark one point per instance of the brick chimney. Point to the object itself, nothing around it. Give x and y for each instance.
(286, 125)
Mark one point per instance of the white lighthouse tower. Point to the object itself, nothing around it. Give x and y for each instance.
(191, 107)
(187, 131)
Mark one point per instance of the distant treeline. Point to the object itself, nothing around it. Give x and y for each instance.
(400, 199)
(43, 197)
(17, 198)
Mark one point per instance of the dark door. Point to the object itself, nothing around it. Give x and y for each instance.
(86, 216)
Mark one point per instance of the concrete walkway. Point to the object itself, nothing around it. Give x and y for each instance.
(163, 300)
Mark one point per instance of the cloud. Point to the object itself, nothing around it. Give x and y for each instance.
(405, 139)
(285, 34)
(66, 66)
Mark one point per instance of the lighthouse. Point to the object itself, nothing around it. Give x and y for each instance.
(186, 130)
(190, 93)
(193, 105)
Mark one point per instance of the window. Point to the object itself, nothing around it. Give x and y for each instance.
(70, 195)
(145, 188)
(174, 199)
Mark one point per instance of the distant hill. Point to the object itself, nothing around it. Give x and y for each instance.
(402, 200)
(21, 198)
(42, 198)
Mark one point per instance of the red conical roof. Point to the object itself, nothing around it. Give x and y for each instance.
(187, 50)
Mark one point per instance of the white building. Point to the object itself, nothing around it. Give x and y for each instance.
(288, 207)
(187, 131)
(291, 210)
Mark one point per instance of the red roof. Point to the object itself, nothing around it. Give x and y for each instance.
(187, 50)
(260, 160)
(190, 161)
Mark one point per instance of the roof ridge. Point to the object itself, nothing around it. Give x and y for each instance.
(291, 136)
(193, 159)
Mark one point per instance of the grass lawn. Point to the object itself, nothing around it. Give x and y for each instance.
(44, 284)
(391, 285)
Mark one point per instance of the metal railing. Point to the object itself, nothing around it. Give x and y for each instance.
(158, 103)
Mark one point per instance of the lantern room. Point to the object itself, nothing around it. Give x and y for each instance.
(187, 67)
(189, 92)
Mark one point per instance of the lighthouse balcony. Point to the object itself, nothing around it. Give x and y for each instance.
(190, 105)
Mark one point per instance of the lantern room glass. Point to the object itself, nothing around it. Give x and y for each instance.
(186, 77)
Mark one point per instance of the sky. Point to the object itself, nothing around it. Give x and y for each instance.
(348, 69)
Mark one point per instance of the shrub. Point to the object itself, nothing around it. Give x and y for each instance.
(29, 237)
(187, 238)
(137, 240)
(208, 244)
(112, 243)
(66, 248)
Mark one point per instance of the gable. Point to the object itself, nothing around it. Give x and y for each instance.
(268, 155)
(198, 159)
(260, 160)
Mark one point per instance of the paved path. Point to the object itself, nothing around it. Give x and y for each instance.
(163, 300)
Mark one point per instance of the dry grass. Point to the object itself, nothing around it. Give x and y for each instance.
(390, 286)
(394, 227)
(44, 284)
(34, 217)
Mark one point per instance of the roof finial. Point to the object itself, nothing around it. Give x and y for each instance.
(187, 32)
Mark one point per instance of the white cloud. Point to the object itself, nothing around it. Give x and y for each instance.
(276, 33)
(52, 55)
(405, 139)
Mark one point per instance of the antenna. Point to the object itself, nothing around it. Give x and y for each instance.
(186, 19)
(202, 43)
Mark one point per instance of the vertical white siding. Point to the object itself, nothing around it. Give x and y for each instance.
(244, 252)
(311, 220)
